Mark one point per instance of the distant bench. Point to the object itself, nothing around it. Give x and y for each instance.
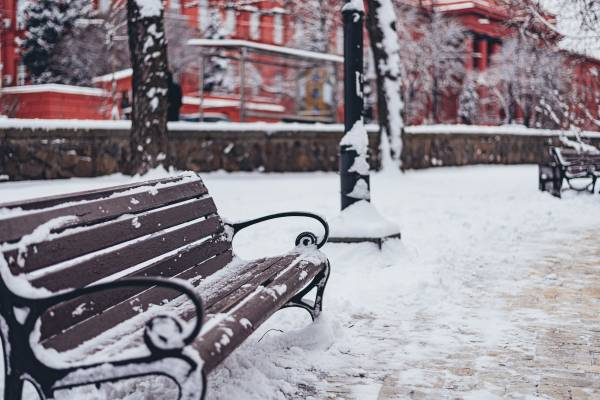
(570, 165)
(108, 278)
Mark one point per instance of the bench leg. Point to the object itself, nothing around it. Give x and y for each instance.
(13, 387)
(313, 308)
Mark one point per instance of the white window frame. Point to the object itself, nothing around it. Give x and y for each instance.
(339, 40)
(299, 32)
(203, 15)
(175, 5)
(21, 75)
(230, 21)
(20, 17)
(278, 32)
(255, 25)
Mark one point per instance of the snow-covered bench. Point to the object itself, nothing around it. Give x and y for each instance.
(572, 165)
(137, 280)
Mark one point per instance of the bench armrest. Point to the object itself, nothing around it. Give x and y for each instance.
(304, 238)
(44, 304)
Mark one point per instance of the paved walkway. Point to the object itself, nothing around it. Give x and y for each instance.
(550, 351)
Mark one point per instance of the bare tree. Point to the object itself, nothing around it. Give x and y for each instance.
(530, 80)
(381, 24)
(148, 49)
(315, 23)
(96, 46)
(442, 47)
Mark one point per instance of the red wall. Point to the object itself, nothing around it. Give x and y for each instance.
(51, 105)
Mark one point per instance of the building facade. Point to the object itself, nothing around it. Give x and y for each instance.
(275, 86)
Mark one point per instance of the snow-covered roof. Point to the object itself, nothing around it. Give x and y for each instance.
(124, 73)
(54, 88)
(212, 102)
(289, 51)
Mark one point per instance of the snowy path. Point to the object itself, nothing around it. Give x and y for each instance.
(492, 292)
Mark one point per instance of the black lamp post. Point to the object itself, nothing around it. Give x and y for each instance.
(359, 221)
(353, 100)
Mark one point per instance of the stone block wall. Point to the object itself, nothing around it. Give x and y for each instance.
(44, 153)
(63, 153)
(424, 150)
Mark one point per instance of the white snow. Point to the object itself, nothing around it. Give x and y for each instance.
(517, 130)
(55, 88)
(118, 75)
(49, 124)
(472, 237)
(150, 8)
(216, 102)
(357, 138)
(354, 5)
(362, 219)
(289, 51)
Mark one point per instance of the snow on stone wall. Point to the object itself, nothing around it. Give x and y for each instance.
(42, 150)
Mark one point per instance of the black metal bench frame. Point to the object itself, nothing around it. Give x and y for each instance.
(18, 333)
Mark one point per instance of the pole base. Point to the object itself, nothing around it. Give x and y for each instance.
(377, 240)
(361, 222)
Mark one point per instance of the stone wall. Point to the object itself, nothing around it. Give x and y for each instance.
(46, 153)
(39, 153)
(424, 150)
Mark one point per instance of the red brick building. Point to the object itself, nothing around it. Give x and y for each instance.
(264, 22)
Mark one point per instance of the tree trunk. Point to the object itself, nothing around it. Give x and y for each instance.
(435, 100)
(148, 48)
(381, 24)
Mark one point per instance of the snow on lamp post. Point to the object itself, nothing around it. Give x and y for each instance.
(359, 221)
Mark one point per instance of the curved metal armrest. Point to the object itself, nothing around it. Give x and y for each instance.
(44, 304)
(241, 225)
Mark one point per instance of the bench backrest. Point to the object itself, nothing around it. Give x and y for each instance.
(573, 159)
(167, 228)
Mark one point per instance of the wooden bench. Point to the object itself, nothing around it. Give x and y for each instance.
(570, 165)
(137, 280)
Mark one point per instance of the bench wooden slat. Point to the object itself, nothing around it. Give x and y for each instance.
(96, 211)
(94, 194)
(202, 260)
(131, 307)
(220, 339)
(124, 310)
(271, 271)
(99, 237)
(104, 265)
(260, 274)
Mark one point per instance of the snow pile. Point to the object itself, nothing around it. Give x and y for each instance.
(362, 219)
(427, 313)
(579, 146)
(150, 8)
(354, 5)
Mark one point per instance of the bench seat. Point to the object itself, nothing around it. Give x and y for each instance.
(135, 276)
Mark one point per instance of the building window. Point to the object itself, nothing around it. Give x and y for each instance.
(230, 21)
(255, 25)
(104, 6)
(175, 5)
(21, 75)
(299, 33)
(21, 18)
(203, 15)
(278, 29)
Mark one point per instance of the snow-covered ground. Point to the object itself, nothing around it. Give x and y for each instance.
(455, 310)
